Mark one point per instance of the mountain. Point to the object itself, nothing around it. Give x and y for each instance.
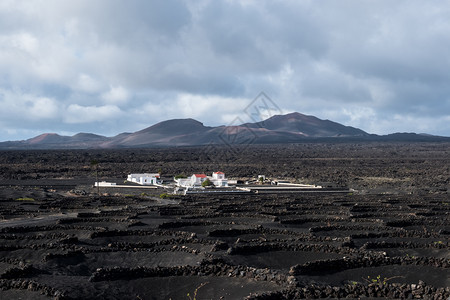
(290, 128)
(56, 141)
(308, 126)
(47, 138)
(172, 132)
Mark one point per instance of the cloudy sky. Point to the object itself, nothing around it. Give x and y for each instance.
(108, 66)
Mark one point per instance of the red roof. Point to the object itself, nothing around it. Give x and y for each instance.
(219, 173)
(200, 175)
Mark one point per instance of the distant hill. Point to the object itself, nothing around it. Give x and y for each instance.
(308, 126)
(290, 128)
(172, 132)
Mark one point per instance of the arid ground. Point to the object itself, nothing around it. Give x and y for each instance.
(387, 236)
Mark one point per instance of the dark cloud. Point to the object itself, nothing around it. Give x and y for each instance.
(378, 65)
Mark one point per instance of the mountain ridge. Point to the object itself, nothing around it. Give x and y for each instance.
(278, 129)
(308, 126)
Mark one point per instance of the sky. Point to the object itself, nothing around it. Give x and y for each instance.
(109, 66)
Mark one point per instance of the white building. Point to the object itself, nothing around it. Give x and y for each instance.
(144, 178)
(197, 179)
(217, 178)
(194, 180)
(184, 182)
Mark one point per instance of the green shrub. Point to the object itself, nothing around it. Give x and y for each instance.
(206, 183)
(25, 199)
(380, 280)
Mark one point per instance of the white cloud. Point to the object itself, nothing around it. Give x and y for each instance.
(116, 95)
(86, 83)
(21, 42)
(23, 107)
(76, 114)
(43, 108)
(201, 107)
(205, 106)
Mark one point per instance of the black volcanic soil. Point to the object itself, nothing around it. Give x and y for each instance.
(387, 238)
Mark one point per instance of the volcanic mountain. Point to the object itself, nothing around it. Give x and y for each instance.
(167, 133)
(290, 128)
(309, 126)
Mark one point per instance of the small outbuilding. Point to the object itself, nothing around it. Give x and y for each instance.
(144, 178)
(104, 183)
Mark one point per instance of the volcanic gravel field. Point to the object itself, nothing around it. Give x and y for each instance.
(387, 236)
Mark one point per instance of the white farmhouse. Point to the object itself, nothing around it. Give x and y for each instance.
(218, 179)
(197, 179)
(144, 178)
(194, 180)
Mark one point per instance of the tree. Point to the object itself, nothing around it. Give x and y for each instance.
(206, 183)
(180, 176)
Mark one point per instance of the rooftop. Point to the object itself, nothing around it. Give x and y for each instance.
(200, 175)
